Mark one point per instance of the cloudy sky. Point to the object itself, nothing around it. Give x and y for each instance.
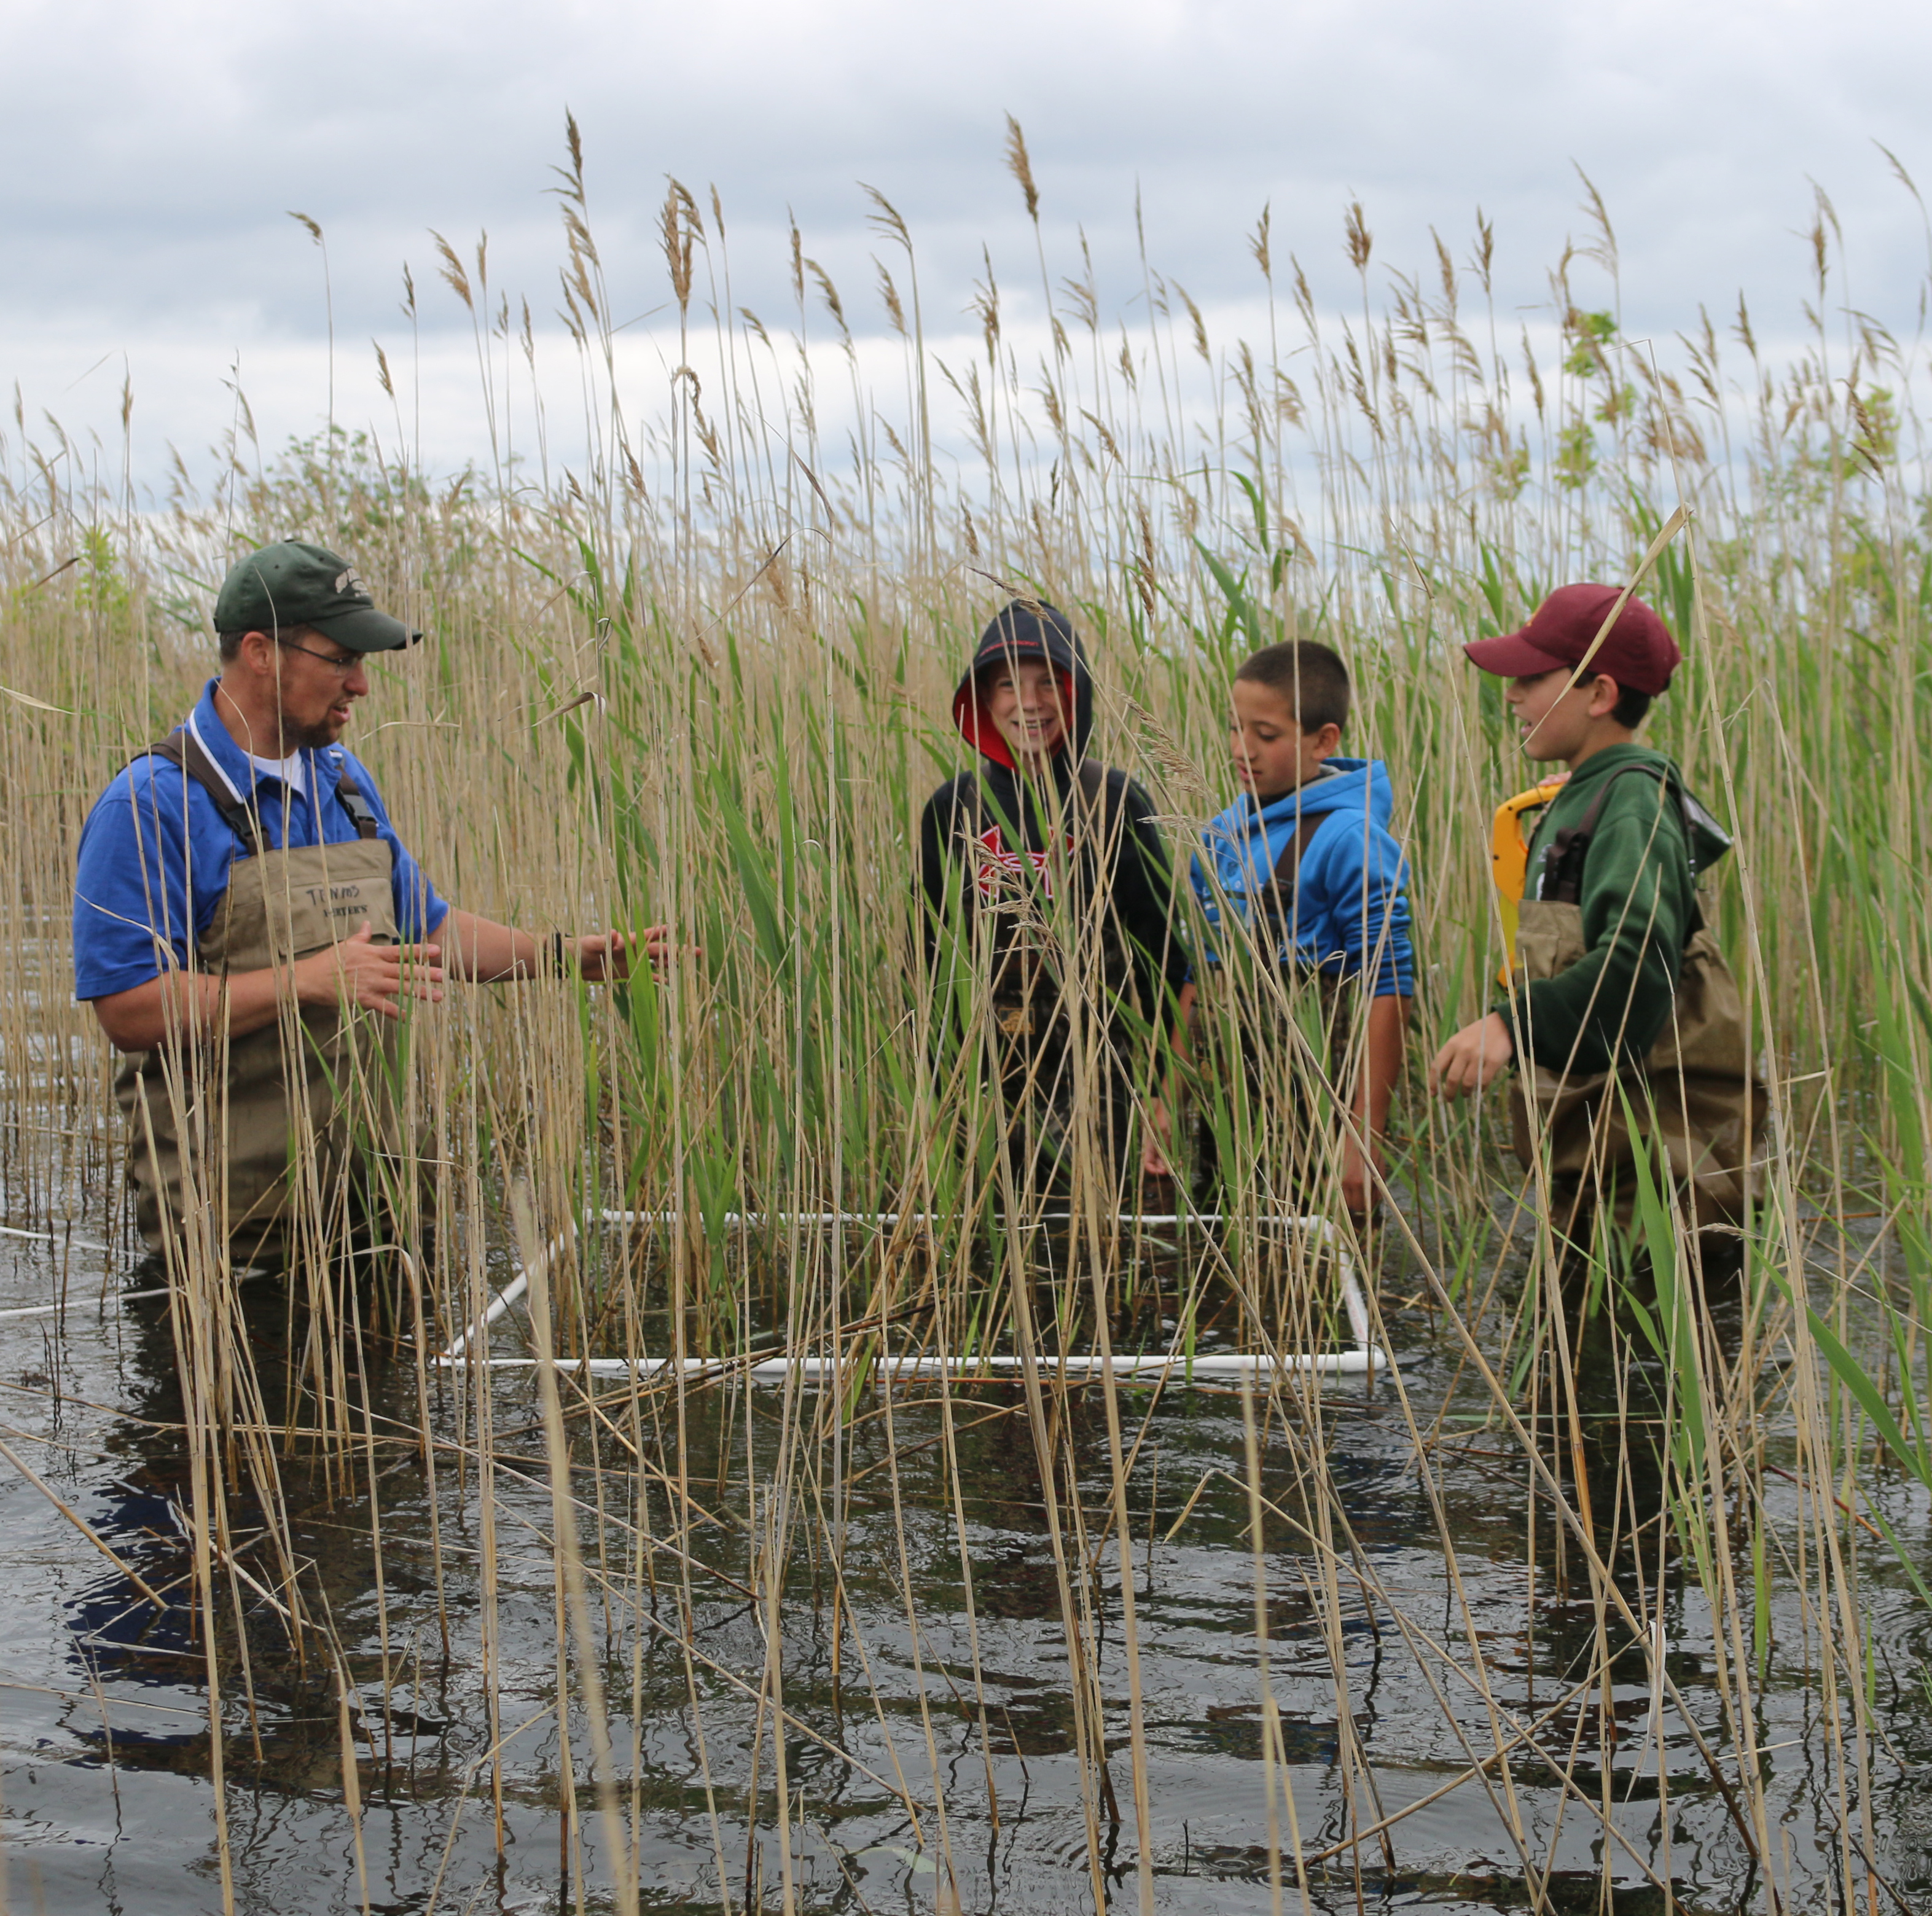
(150, 158)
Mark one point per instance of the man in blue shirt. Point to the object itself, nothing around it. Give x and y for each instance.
(247, 924)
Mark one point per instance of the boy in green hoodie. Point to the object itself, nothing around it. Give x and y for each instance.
(1617, 998)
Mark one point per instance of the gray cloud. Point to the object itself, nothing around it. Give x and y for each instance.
(148, 159)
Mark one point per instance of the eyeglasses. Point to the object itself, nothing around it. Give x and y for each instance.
(340, 664)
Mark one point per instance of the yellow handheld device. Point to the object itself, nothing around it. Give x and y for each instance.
(1515, 826)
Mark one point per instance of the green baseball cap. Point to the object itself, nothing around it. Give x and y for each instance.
(292, 584)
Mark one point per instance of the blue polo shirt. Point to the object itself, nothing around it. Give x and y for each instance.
(155, 854)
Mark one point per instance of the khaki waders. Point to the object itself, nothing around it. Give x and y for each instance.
(1286, 1033)
(1696, 1097)
(268, 1130)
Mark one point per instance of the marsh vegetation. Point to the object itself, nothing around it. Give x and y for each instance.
(1622, 1606)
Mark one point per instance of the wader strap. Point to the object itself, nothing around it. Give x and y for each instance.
(1563, 867)
(1571, 847)
(361, 813)
(1285, 881)
(183, 752)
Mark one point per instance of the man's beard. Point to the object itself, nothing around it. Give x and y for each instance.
(298, 737)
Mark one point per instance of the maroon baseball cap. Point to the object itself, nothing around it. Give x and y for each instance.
(1637, 652)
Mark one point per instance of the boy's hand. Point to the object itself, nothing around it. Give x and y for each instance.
(1358, 1188)
(1154, 1136)
(1473, 1059)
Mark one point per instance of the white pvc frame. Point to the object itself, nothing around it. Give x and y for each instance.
(1365, 1359)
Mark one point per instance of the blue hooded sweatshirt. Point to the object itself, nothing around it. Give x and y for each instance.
(1350, 914)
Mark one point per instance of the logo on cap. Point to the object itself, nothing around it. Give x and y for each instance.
(347, 582)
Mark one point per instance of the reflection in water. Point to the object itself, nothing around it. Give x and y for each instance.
(930, 1656)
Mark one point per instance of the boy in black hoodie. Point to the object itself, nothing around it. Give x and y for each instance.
(1047, 887)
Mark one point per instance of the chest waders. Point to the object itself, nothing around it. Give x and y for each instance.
(1697, 1096)
(1058, 972)
(258, 1132)
(1277, 1036)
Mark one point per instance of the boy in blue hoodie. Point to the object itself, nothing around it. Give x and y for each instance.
(1302, 869)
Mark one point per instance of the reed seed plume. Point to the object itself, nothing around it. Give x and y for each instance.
(1021, 167)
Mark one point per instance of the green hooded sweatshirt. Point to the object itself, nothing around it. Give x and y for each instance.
(1638, 900)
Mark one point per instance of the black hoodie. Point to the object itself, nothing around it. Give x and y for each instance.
(1138, 882)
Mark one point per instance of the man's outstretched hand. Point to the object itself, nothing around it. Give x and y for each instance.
(604, 956)
(1473, 1059)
